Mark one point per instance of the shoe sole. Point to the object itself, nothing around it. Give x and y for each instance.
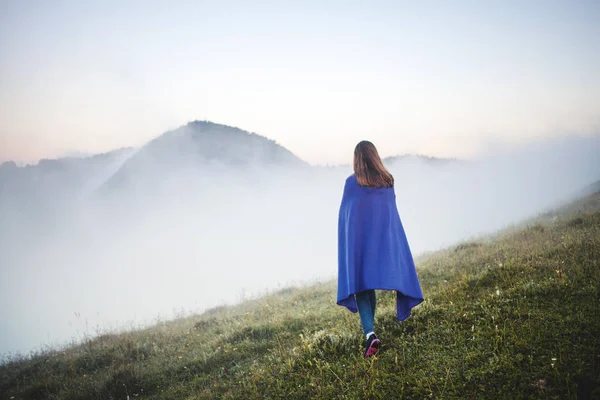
(373, 348)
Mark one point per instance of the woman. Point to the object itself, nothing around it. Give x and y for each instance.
(373, 252)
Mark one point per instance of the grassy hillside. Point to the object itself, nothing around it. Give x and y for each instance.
(512, 316)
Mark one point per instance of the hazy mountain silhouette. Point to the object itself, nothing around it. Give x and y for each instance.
(197, 149)
(433, 161)
(35, 198)
(401, 159)
(200, 148)
(58, 179)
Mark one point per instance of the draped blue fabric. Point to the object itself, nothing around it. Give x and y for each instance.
(373, 252)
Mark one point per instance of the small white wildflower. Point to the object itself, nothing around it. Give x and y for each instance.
(497, 292)
(472, 328)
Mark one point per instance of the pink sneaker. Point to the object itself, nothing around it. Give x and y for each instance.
(372, 346)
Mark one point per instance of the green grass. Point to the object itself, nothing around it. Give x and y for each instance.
(515, 315)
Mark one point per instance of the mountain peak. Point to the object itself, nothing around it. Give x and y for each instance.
(202, 141)
(199, 145)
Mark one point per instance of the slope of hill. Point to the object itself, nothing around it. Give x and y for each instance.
(591, 189)
(513, 316)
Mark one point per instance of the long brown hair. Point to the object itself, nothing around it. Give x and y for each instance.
(368, 167)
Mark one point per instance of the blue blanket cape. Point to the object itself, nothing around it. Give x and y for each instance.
(373, 252)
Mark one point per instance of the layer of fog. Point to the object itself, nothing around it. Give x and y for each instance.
(213, 237)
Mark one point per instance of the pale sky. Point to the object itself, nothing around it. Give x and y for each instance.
(443, 78)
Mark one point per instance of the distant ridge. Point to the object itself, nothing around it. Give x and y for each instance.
(72, 158)
(197, 149)
(67, 177)
(420, 157)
